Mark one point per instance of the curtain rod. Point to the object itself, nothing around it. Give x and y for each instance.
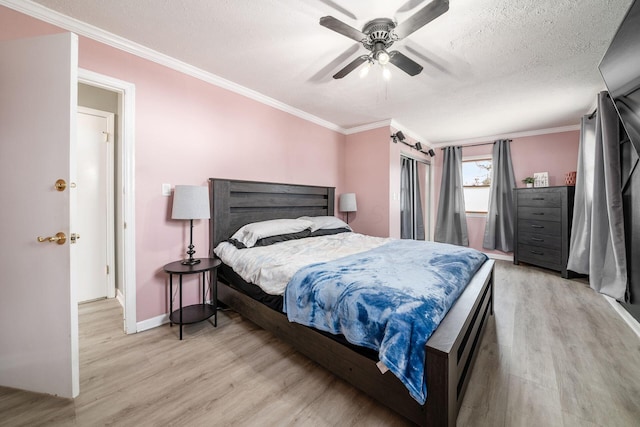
(481, 143)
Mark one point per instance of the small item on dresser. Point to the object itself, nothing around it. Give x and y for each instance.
(528, 181)
(541, 179)
(570, 178)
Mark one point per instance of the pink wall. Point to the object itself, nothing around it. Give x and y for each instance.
(367, 174)
(555, 153)
(187, 131)
(372, 171)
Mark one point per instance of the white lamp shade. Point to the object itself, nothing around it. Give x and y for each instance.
(190, 202)
(347, 203)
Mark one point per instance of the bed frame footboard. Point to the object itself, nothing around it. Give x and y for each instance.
(450, 353)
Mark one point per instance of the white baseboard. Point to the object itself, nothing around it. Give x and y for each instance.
(626, 316)
(154, 322)
(500, 256)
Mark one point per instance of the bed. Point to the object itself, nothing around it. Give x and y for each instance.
(450, 351)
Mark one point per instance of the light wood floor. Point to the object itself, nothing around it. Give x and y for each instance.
(555, 354)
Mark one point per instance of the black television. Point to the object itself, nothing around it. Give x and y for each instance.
(620, 69)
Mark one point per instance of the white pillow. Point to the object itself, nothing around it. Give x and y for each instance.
(249, 234)
(325, 222)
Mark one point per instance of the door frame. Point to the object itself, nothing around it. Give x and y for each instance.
(110, 290)
(125, 159)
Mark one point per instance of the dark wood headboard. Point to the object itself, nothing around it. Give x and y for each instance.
(236, 203)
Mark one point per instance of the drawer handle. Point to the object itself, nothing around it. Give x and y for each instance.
(537, 198)
(537, 213)
(537, 226)
(535, 239)
(537, 253)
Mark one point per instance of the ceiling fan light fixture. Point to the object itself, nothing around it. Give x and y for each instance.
(386, 73)
(383, 57)
(364, 71)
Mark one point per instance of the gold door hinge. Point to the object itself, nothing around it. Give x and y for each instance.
(107, 270)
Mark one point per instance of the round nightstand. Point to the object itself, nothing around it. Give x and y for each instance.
(196, 312)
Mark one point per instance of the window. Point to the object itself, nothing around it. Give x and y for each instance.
(476, 182)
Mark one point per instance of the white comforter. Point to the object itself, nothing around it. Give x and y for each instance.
(272, 267)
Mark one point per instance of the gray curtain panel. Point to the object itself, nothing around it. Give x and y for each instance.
(419, 218)
(451, 220)
(597, 233)
(580, 241)
(499, 229)
(410, 213)
(405, 200)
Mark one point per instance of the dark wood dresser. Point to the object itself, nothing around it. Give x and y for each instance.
(543, 226)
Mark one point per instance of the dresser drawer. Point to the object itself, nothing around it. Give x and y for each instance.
(551, 241)
(540, 199)
(539, 227)
(543, 214)
(544, 257)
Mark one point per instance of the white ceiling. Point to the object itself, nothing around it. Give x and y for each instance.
(491, 67)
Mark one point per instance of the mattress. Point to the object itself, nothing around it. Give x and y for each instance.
(272, 267)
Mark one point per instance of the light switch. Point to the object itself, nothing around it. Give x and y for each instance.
(166, 189)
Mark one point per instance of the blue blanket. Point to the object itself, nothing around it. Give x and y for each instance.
(389, 299)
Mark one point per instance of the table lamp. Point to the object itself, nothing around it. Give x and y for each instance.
(347, 203)
(190, 202)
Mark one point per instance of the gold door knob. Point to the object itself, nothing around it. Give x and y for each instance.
(60, 185)
(60, 238)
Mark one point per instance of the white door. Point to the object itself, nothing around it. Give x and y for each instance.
(95, 205)
(38, 302)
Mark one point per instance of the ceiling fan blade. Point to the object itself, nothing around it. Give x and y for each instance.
(339, 8)
(406, 64)
(340, 27)
(351, 66)
(422, 18)
(410, 4)
(428, 59)
(324, 75)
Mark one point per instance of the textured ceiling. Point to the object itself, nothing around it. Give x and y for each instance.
(491, 67)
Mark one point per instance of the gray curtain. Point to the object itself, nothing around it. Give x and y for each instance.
(597, 245)
(451, 221)
(405, 200)
(498, 231)
(418, 217)
(410, 191)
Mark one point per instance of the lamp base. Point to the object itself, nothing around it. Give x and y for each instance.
(191, 261)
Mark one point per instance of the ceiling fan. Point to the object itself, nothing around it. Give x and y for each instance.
(378, 35)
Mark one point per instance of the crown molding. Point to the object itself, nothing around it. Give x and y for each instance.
(42, 13)
(368, 126)
(391, 123)
(524, 134)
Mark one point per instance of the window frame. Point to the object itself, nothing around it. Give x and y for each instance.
(488, 156)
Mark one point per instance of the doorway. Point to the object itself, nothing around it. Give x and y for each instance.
(116, 92)
(415, 196)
